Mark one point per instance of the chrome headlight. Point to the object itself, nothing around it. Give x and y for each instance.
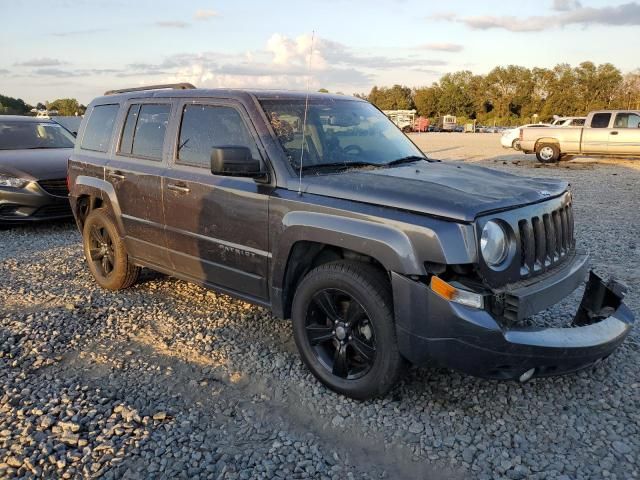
(13, 182)
(493, 243)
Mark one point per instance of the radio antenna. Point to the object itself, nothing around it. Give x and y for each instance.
(306, 109)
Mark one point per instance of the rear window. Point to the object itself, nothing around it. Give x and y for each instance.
(600, 120)
(32, 135)
(99, 128)
(144, 129)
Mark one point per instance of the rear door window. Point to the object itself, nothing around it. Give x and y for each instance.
(600, 120)
(97, 133)
(144, 130)
(204, 127)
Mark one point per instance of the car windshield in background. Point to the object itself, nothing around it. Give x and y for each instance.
(31, 135)
(339, 134)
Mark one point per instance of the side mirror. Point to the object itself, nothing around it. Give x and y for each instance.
(234, 161)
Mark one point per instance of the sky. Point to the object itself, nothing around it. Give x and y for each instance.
(80, 48)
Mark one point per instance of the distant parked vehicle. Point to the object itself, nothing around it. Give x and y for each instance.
(421, 124)
(568, 121)
(404, 119)
(605, 132)
(448, 123)
(33, 169)
(511, 138)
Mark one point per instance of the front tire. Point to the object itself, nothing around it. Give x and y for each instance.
(548, 153)
(105, 252)
(343, 327)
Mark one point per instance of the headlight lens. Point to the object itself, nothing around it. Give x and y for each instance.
(493, 243)
(13, 182)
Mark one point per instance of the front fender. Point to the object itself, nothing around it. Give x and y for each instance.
(401, 248)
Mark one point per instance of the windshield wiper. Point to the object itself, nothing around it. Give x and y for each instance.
(338, 165)
(407, 159)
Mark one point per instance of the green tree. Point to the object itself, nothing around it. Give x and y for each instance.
(66, 106)
(13, 106)
(397, 97)
(426, 100)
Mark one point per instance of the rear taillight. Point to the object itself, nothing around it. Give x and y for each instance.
(521, 134)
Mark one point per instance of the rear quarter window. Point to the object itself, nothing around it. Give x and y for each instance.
(97, 133)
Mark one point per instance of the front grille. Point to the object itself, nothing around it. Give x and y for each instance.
(545, 240)
(57, 187)
(54, 210)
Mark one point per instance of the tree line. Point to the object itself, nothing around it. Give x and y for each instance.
(513, 94)
(64, 106)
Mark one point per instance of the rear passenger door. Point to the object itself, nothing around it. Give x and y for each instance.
(216, 226)
(135, 172)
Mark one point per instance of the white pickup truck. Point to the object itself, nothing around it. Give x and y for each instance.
(605, 132)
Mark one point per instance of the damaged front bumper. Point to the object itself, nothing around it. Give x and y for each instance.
(432, 329)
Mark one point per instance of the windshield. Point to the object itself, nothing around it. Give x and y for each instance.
(29, 135)
(338, 133)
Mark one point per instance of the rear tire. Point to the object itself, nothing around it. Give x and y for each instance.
(105, 252)
(548, 152)
(516, 144)
(343, 326)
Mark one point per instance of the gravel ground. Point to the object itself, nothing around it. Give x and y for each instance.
(168, 380)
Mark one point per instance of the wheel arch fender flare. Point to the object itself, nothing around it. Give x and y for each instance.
(99, 188)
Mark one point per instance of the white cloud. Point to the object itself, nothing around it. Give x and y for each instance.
(205, 14)
(41, 62)
(569, 13)
(442, 47)
(172, 24)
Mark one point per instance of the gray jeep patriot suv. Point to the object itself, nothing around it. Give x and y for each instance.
(320, 209)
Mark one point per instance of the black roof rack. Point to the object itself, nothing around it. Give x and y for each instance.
(175, 86)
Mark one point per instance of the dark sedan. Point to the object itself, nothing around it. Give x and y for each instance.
(33, 169)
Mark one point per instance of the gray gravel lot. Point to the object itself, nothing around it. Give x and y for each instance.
(168, 380)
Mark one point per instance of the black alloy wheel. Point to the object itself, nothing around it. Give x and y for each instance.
(341, 334)
(101, 250)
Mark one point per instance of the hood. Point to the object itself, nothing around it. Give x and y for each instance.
(450, 190)
(35, 164)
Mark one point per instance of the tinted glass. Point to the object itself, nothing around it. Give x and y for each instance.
(337, 133)
(205, 127)
(578, 122)
(148, 137)
(129, 127)
(600, 120)
(99, 128)
(627, 120)
(32, 135)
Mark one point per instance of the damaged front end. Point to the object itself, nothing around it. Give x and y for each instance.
(493, 341)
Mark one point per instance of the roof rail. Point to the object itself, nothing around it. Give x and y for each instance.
(175, 86)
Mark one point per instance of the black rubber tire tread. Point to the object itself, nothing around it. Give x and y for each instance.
(372, 285)
(556, 154)
(125, 273)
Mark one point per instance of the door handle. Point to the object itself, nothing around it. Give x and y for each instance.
(614, 133)
(116, 176)
(182, 189)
